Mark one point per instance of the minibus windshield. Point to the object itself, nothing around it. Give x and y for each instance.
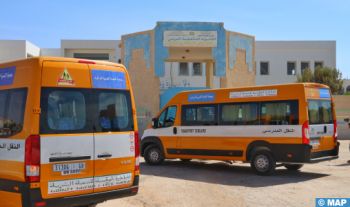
(320, 112)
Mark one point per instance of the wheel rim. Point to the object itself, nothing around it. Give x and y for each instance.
(154, 156)
(262, 163)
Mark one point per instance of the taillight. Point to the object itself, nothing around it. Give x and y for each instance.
(32, 158)
(335, 131)
(305, 133)
(137, 151)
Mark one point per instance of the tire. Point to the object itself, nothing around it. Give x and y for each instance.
(185, 160)
(263, 162)
(293, 167)
(153, 155)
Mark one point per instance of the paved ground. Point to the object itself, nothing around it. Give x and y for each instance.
(211, 183)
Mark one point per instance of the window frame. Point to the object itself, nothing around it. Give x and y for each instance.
(280, 101)
(230, 123)
(187, 67)
(268, 67)
(91, 105)
(318, 102)
(7, 106)
(200, 69)
(301, 66)
(199, 123)
(295, 67)
(321, 63)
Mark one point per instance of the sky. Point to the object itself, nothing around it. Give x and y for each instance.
(46, 22)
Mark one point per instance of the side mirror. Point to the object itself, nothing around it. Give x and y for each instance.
(346, 119)
(154, 123)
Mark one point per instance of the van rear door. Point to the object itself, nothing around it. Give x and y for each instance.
(114, 136)
(67, 146)
(321, 122)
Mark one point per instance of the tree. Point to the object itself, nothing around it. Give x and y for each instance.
(328, 76)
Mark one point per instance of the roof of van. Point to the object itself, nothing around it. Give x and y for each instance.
(65, 59)
(318, 85)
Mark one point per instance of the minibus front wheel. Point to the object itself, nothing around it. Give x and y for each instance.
(263, 162)
(153, 155)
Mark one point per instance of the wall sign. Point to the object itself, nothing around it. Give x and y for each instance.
(190, 38)
(108, 79)
(7, 75)
(201, 97)
(248, 94)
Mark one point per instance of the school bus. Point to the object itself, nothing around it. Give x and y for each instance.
(68, 133)
(289, 124)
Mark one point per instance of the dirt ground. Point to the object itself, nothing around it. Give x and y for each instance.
(214, 183)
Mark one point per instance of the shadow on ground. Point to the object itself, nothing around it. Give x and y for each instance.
(225, 174)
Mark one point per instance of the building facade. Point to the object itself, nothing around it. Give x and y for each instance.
(177, 56)
(282, 61)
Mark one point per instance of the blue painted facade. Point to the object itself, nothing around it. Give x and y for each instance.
(161, 53)
(218, 53)
(138, 41)
(240, 42)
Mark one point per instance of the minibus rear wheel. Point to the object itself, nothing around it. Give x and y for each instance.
(153, 155)
(263, 162)
(293, 167)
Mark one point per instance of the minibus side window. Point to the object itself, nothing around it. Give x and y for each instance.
(114, 110)
(197, 115)
(279, 113)
(239, 114)
(66, 110)
(12, 107)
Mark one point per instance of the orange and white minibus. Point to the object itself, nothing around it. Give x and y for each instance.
(68, 133)
(289, 124)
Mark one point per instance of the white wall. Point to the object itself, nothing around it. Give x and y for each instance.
(278, 53)
(53, 52)
(12, 50)
(69, 47)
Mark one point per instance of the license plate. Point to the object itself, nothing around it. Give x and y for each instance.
(315, 143)
(70, 168)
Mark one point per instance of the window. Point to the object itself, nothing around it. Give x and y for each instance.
(197, 69)
(239, 114)
(66, 110)
(196, 115)
(291, 69)
(12, 107)
(167, 117)
(114, 111)
(92, 56)
(303, 66)
(183, 69)
(318, 64)
(279, 113)
(320, 112)
(264, 68)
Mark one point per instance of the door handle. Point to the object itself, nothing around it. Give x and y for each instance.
(63, 159)
(104, 155)
(175, 130)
